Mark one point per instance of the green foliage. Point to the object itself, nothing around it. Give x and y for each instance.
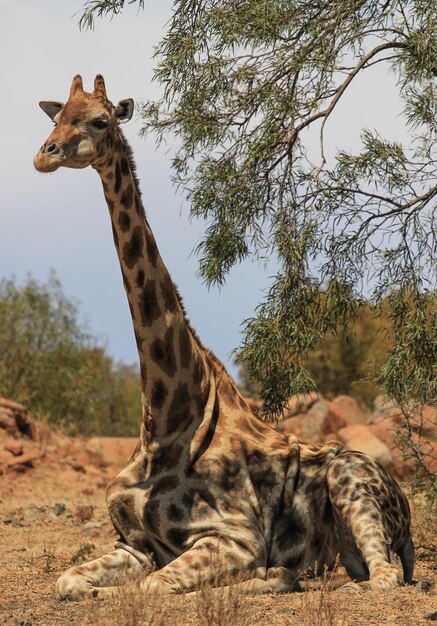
(346, 359)
(52, 364)
(349, 357)
(412, 361)
(242, 84)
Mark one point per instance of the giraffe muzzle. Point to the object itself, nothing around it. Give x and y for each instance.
(49, 157)
(51, 148)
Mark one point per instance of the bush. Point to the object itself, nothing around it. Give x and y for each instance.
(50, 362)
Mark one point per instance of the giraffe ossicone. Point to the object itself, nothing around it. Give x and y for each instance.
(207, 477)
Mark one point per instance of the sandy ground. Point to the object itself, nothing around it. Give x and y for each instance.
(52, 516)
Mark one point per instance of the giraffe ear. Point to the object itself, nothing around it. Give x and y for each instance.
(124, 110)
(51, 108)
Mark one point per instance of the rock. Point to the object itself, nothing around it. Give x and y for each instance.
(317, 425)
(429, 413)
(15, 419)
(425, 586)
(26, 425)
(332, 423)
(112, 450)
(84, 512)
(300, 403)
(14, 521)
(386, 428)
(313, 422)
(5, 456)
(21, 469)
(9, 404)
(14, 447)
(347, 409)
(78, 467)
(431, 616)
(384, 405)
(359, 437)
(92, 528)
(7, 423)
(292, 425)
(59, 508)
(24, 459)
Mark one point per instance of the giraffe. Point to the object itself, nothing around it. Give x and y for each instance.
(207, 476)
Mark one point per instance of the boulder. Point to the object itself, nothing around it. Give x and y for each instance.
(359, 437)
(15, 419)
(404, 465)
(384, 405)
(7, 422)
(26, 458)
(312, 424)
(347, 409)
(13, 406)
(14, 447)
(384, 428)
(317, 425)
(292, 425)
(300, 403)
(84, 512)
(429, 414)
(112, 450)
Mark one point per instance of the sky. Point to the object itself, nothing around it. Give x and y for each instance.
(60, 221)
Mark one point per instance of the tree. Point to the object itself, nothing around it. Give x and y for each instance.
(243, 83)
(49, 361)
(346, 360)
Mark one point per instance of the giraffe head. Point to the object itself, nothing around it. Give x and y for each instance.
(84, 127)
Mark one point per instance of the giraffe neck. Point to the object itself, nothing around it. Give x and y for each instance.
(173, 364)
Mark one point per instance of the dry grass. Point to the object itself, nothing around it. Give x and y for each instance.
(37, 545)
(424, 517)
(130, 606)
(215, 604)
(324, 607)
(220, 602)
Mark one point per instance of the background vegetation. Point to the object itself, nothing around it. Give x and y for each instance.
(347, 360)
(51, 363)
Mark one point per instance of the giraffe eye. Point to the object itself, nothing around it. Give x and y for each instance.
(100, 124)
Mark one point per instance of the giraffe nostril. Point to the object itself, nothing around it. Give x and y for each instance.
(52, 148)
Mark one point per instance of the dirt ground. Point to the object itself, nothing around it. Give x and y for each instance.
(53, 515)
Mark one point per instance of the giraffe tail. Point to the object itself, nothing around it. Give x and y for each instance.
(406, 554)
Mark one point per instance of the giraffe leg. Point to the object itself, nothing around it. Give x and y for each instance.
(88, 580)
(211, 562)
(353, 480)
(277, 580)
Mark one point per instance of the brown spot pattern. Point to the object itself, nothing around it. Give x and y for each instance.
(133, 250)
(162, 353)
(140, 278)
(184, 347)
(159, 394)
(152, 250)
(149, 306)
(126, 197)
(179, 408)
(124, 221)
(169, 294)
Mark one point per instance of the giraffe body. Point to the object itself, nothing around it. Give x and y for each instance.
(207, 477)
